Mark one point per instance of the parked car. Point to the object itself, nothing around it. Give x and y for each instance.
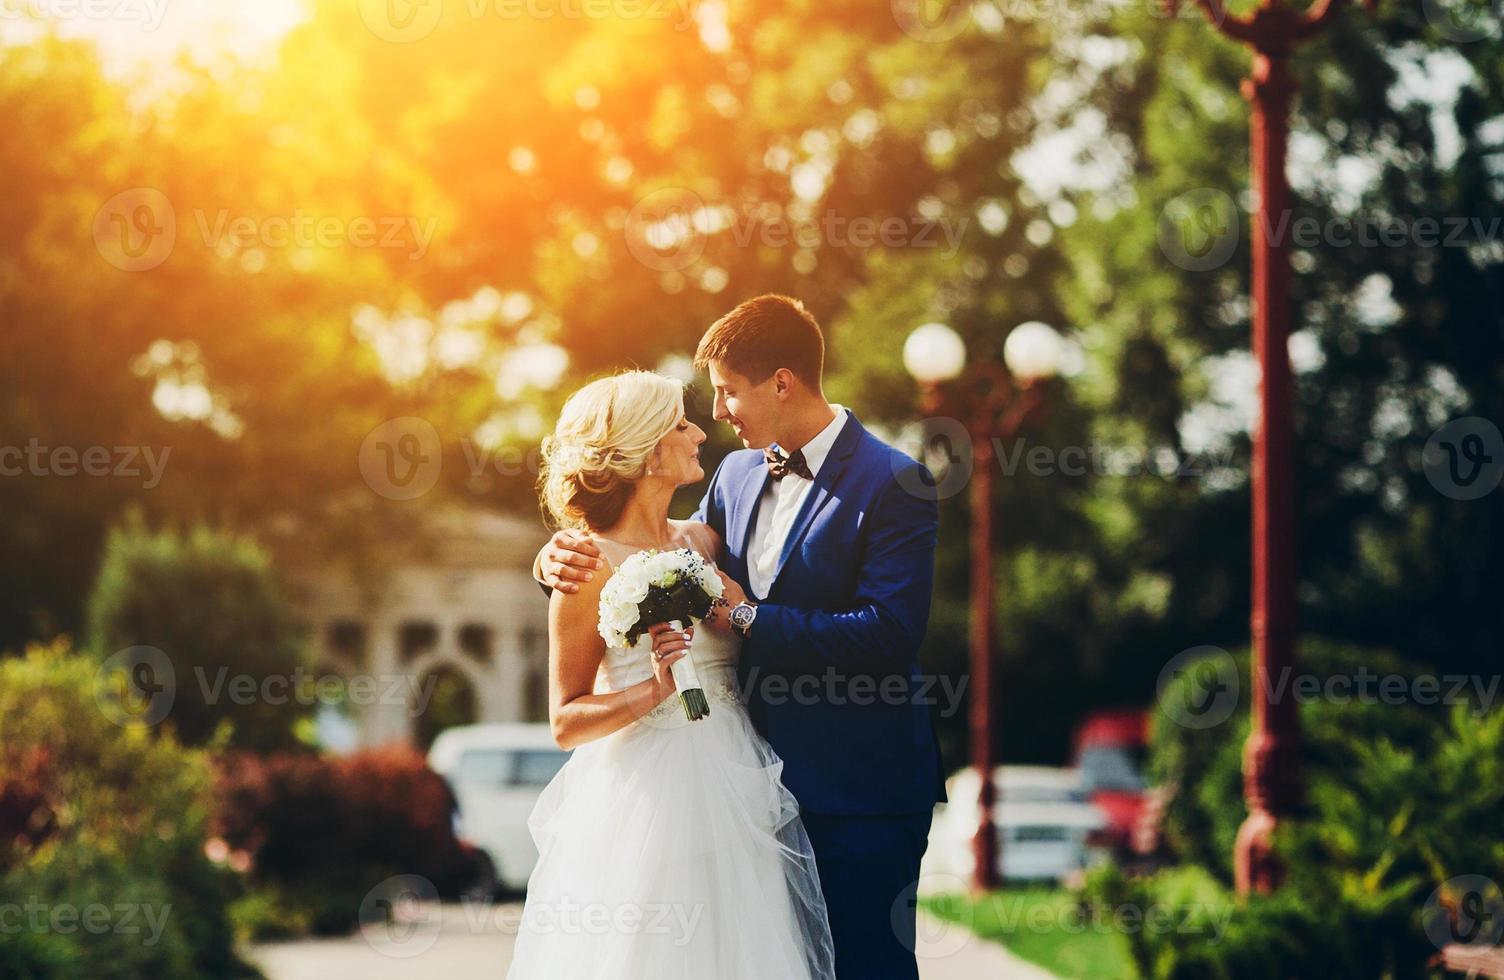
(1042, 817)
(1110, 749)
(497, 772)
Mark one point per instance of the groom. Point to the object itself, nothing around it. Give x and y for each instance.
(830, 542)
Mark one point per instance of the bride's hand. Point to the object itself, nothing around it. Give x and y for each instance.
(669, 645)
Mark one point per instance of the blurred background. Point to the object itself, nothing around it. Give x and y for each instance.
(290, 291)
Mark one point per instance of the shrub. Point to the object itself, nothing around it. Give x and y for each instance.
(30, 955)
(320, 832)
(1399, 798)
(1203, 768)
(211, 604)
(102, 815)
(263, 915)
(1211, 935)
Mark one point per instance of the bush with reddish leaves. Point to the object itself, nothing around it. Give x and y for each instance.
(321, 831)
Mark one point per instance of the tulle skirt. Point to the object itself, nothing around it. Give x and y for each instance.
(670, 850)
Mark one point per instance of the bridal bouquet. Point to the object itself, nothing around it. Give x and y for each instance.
(674, 587)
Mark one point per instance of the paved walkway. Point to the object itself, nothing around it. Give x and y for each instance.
(474, 942)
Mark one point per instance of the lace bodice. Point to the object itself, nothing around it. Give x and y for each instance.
(715, 653)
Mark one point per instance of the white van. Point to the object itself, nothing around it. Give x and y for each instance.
(1046, 826)
(497, 772)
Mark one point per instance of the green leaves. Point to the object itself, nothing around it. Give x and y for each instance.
(685, 601)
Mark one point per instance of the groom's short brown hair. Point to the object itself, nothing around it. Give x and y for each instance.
(765, 334)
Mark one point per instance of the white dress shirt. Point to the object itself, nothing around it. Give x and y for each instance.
(781, 502)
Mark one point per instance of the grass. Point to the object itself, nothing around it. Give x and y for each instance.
(1043, 925)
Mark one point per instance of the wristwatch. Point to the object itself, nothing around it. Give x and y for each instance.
(741, 616)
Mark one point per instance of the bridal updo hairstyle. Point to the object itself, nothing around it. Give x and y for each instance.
(602, 444)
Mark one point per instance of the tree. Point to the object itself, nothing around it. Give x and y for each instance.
(223, 648)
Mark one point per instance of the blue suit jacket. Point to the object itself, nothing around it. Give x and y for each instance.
(830, 668)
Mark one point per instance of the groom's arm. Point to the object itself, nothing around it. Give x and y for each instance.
(882, 630)
(571, 557)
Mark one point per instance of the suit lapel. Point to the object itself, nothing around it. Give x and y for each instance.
(820, 493)
(749, 496)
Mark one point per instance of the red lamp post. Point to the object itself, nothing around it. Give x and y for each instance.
(992, 402)
(1271, 760)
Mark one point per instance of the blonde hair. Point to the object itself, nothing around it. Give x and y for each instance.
(601, 446)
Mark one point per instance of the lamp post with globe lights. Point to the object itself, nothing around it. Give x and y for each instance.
(1271, 760)
(991, 401)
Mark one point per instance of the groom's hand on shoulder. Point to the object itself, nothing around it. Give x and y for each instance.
(570, 557)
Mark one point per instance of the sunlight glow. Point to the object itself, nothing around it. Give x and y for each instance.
(145, 36)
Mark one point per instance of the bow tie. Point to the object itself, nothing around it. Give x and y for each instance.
(781, 466)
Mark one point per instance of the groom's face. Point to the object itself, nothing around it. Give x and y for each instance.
(751, 408)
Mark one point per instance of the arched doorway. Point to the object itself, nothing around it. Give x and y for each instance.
(451, 702)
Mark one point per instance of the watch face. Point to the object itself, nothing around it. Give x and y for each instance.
(741, 617)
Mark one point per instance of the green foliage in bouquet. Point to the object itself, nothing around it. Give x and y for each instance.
(682, 597)
(654, 587)
(686, 600)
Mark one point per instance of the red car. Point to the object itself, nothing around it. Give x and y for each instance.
(1110, 749)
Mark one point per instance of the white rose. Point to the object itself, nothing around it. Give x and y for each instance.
(634, 582)
(659, 571)
(710, 581)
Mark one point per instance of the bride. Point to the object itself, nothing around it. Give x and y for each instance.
(668, 849)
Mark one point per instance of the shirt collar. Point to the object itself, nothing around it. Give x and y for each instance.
(818, 448)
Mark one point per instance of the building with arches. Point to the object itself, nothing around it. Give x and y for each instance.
(446, 629)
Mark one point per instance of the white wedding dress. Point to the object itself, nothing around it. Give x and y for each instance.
(670, 849)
